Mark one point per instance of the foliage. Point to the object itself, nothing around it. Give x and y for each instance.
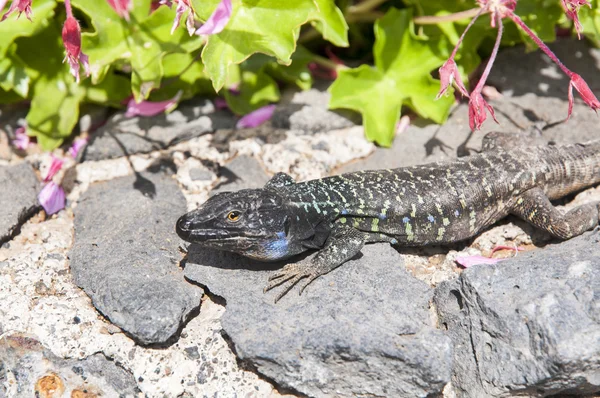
(133, 51)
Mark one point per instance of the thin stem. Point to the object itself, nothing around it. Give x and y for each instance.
(328, 63)
(309, 35)
(540, 43)
(457, 16)
(364, 6)
(481, 10)
(488, 67)
(68, 8)
(370, 16)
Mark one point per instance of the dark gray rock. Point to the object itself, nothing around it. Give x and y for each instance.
(307, 111)
(125, 255)
(19, 188)
(28, 369)
(123, 136)
(362, 330)
(241, 173)
(529, 325)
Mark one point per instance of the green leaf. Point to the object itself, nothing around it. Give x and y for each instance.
(143, 42)
(330, 22)
(256, 89)
(12, 28)
(13, 75)
(401, 76)
(266, 26)
(55, 96)
(297, 72)
(185, 73)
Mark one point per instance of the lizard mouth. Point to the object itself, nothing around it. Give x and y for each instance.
(194, 234)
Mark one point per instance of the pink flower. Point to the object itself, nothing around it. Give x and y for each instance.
(71, 35)
(151, 108)
(22, 140)
(468, 261)
(21, 5)
(54, 168)
(218, 19)
(584, 90)
(157, 3)
(402, 124)
(78, 144)
(571, 8)
(121, 7)
(220, 103)
(256, 118)
(513, 248)
(183, 6)
(449, 73)
(52, 198)
(477, 107)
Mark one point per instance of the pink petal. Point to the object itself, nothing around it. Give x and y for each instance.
(121, 7)
(217, 21)
(220, 103)
(182, 6)
(402, 124)
(513, 248)
(52, 198)
(150, 108)
(54, 168)
(78, 144)
(21, 5)
(468, 261)
(22, 140)
(584, 90)
(256, 118)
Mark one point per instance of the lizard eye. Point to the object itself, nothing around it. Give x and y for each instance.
(234, 215)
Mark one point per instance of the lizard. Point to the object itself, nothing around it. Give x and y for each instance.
(431, 204)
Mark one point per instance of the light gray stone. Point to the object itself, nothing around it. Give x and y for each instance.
(529, 325)
(123, 136)
(19, 188)
(243, 172)
(307, 111)
(27, 369)
(125, 255)
(362, 330)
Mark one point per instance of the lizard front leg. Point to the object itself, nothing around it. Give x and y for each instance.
(534, 207)
(343, 243)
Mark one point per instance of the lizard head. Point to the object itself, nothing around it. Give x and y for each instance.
(251, 222)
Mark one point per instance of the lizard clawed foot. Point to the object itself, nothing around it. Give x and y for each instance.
(292, 273)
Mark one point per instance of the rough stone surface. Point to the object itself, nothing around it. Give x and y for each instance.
(125, 136)
(241, 173)
(19, 187)
(31, 370)
(307, 111)
(529, 325)
(362, 330)
(125, 255)
(38, 297)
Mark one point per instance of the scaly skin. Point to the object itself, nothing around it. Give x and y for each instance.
(437, 203)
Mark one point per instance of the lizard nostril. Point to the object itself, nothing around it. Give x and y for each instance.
(183, 225)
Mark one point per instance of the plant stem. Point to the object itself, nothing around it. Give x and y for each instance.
(68, 8)
(370, 16)
(457, 16)
(328, 63)
(488, 67)
(364, 6)
(540, 43)
(481, 10)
